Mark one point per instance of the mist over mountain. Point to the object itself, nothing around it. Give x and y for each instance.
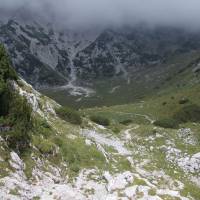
(74, 45)
(80, 14)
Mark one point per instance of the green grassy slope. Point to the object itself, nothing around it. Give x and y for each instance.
(182, 85)
(180, 91)
(33, 135)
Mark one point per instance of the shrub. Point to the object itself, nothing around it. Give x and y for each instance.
(78, 155)
(152, 192)
(46, 147)
(167, 123)
(6, 73)
(183, 101)
(41, 127)
(189, 113)
(126, 121)
(43, 145)
(116, 130)
(5, 98)
(100, 120)
(21, 122)
(14, 109)
(69, 115)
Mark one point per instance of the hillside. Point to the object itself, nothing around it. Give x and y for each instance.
(99, 100)
(92, 67)
(177, 73)
(51, 152)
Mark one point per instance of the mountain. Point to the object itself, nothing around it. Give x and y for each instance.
(46, 56)
(53, 152)
(84, 64)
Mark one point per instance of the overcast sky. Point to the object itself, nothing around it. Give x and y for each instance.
(115, 12)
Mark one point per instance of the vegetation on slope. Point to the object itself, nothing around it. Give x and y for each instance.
(15, 113)
(69, 115)
(169, 109)
(177, 72)
(100, 120)
(33, 136)
(188, 113)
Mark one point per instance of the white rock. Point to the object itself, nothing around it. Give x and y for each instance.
(119, 181)
(130, 192)
(186, 135)
(151, 148)
(16, 162)
(88, 142)
(105, 140)
(197, 155)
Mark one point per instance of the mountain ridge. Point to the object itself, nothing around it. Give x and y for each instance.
(75, 55)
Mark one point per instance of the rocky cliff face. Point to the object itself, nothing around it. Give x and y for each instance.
(124, 50)
(45, 55)
(40, 54)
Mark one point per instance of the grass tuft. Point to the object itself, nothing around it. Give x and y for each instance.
(69, 115)
(100, 120)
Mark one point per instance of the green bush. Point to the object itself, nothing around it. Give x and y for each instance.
(45, 146)
(69, 115)
(167, 123)
(183, 101)
(116, 130)
(17, 113)
(14, 109)
(100, 120)
(189, 113)
(41, 127)
(78, 155)
(20, 120)
(126, 121)
(5, 98)
(7, 73)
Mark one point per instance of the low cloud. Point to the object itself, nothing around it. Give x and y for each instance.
(79, 13)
